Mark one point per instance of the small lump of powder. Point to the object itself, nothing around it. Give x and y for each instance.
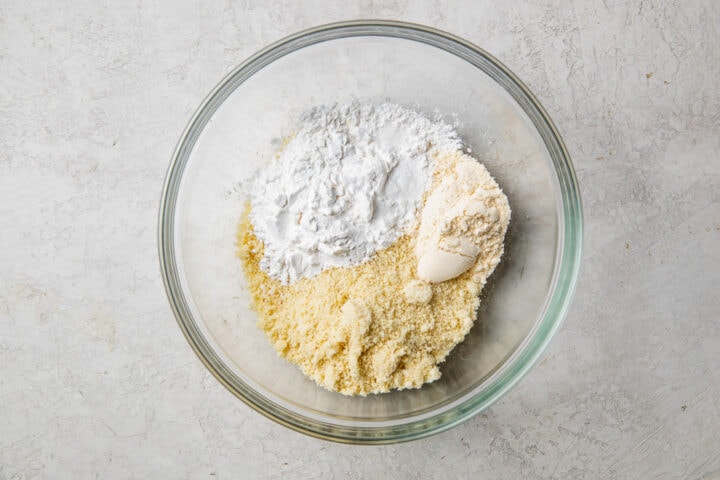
(418, 291)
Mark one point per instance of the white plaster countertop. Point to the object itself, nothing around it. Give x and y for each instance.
(96, 380)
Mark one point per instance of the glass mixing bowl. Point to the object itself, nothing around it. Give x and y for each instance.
(238, 129)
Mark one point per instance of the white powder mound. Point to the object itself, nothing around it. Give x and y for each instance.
(346, 185)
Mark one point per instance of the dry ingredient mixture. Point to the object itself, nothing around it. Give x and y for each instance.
(366, 244)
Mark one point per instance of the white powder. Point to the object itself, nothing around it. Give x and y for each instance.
(345, 186)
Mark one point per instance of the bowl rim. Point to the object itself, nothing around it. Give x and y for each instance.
(525, 356)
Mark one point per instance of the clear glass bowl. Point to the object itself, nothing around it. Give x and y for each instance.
(237, 129)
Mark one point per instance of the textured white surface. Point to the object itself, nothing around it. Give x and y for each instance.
(96, 380)
(346, 185)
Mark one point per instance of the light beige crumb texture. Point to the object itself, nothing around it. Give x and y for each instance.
(351, 329)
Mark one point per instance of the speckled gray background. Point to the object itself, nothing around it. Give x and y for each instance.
(96, 380)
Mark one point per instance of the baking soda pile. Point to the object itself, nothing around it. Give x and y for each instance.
(346, 185)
